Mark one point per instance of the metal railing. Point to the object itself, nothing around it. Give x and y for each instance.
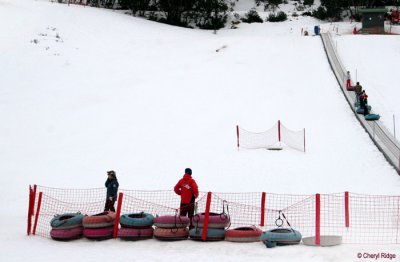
(379, 134)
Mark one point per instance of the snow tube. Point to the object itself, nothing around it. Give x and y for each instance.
(136, 220)
(213, 234)
(171, 221)
(215, 220)
(135, 233)
(350, 88)
(243, 234)
(171, 233)
(67, 220)
(100, 220)
(372, 117)
(281, 236)
(360, 110)
(66, 234)
(98, 233)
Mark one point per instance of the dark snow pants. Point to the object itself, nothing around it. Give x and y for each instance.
(110, 204)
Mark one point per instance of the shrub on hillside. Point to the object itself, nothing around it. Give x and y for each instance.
(320, 13)
(308, 2)
(214, 24)
(252, 17)
(280, 17)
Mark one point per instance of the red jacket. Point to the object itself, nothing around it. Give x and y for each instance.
(186, 188)
(364, 96)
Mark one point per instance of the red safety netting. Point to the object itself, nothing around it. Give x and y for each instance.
(361, 219)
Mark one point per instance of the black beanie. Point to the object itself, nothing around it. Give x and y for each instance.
(188, 171)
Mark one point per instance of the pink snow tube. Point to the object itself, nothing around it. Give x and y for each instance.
(100, 220)
(215, 220)
(243, 234)
(171, 221)
(98, 233)
(66, 234)
(135, 233)
(171, 233)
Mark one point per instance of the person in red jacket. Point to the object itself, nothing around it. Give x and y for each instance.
(188, 190)
(348, 81)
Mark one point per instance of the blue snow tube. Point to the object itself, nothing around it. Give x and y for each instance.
(281, 236)
(136, 220)
(67, 220)
(213, 234)
(372, 117)
(360, 110)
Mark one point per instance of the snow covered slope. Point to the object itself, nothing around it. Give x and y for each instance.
(84, 90)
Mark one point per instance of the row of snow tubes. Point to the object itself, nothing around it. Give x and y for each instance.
(137, 226)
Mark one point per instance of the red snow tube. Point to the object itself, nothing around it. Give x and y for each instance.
(66, 234)
(135, 233)
(98, 233)
(171, 233)
(243, 234)
(215, 220)
(171, 221)
(104, 219)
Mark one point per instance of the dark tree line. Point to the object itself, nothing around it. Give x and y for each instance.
(334, 8)
(206, 14)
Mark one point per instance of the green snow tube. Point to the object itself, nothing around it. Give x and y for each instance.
(281, 236)
(213, 234)
(372, 117)
(67, 221)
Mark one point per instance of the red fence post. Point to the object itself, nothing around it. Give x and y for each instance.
(28, 230)
(33, 200)
(317, 219)
(262, 209)
(37, 212)
(117, 215)
(279, 130)
(346, 209)
(237, 135)
(206, 216)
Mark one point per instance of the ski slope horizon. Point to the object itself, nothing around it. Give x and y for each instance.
(85, 90)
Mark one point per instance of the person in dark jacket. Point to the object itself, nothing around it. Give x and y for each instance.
(364, 102)
(112, 190)
(363, 99)
(188, 190)
(358, 91)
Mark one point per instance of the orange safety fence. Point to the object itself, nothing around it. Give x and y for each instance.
(358, 218)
